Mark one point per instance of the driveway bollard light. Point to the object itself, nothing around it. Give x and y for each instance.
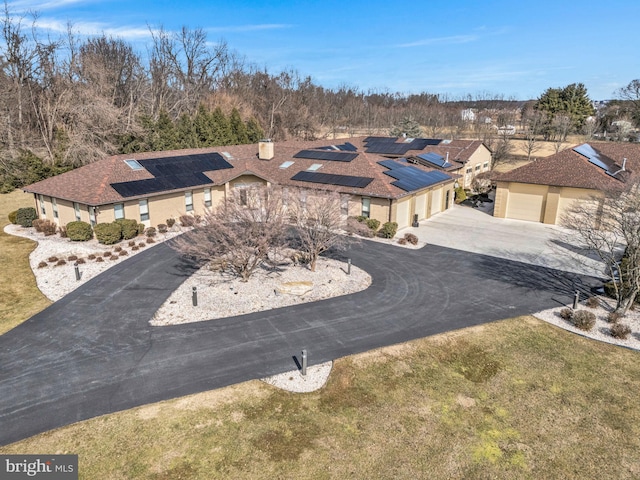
(194, 296)
(304, 362)
(576, 299)
(348, 266)
(77, 270)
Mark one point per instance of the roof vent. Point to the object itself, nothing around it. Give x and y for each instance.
(228, 155)
(134, 165)
(265, 149)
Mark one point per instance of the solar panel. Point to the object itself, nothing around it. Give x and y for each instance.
(345, 147)
(390, 145)
(332, 156)
(597, 158)
(410, 178)
(431, 158)
(201, 162)
(331, 179)
(161, 184)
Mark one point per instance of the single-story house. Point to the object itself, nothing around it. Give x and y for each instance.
(152, 187)
(544, 190)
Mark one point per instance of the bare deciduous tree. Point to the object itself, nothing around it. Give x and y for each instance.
(240, 233)
(317, 219)
(609, 226)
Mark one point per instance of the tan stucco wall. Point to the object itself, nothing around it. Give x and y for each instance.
(481, 156)
(556, 200)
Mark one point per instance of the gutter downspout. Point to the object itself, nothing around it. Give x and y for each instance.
(390, 201)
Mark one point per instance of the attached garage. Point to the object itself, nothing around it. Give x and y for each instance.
(421, 206)
(436, 201)
(402, 213)
(526, 202)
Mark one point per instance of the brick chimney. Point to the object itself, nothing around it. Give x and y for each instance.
(265, 149)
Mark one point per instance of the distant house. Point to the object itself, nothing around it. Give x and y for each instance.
(373, 175)
(545, 190)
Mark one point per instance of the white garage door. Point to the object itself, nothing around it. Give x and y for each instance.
(402, 214)
(436, 201)
(421, 206)
(526, 202)
(569, 196)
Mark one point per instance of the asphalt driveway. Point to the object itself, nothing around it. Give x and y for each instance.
(94, 352)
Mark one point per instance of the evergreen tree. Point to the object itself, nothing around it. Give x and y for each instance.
(254, 131)
(238, 128)
(221, 128)
(407, 126)
(571, 101)
(186, 132)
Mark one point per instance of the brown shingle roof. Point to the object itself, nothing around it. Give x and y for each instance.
(91, 184)
(570, 169)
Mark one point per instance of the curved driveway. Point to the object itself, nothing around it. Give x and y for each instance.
(94, 352)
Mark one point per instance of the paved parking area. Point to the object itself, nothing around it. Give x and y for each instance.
(477, 231)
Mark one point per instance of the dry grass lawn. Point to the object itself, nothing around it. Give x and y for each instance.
(19, 295)
(517, 399)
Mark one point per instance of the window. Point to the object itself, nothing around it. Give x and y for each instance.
(344, 204)
(446, 202)
(188, 201)
(366, 207)
(54, 204)
(485, 166)
(469, 170)
(144, 210)
(43, 209)
(133, 164)
(207, 197)
(92, 215)
(118, 211)
(478, 167)
(243, 196)
(76, 209)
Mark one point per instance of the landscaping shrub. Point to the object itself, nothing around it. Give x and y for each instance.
(613, 317)
(141, 228)
(592, 302)
(372, 223)
(113, 257)
(61, 262)
(52, 259)
(566, 313)
(13, 217)
(91, 256)
(171, 222)
(106, 254)
(108, 233)
(117, 249)
(128, 227)
(356, 228)
(26, 216)
(150, 232)
(132, 243)
(99, 259)
(389, 230)
(162, 228)
(63, 232)
(134, 248)
(42, 264)
(620, 330)
(72, 258)
(79, 231)
(461, 195)
(37, 225)
(187, 220)
(123, 253)
(48, 227)
(402, 241)
(142, 244)
(411, 238)
(150, 240)
(361, 218)
(584, 320)
(80, 261)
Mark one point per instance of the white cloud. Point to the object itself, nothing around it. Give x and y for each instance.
(249, 28)
(453, 40)
(95, 28)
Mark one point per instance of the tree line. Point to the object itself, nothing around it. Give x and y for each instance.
(67, 101)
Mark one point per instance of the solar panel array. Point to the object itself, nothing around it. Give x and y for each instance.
(390, 146)
(345, 147)
(331, 179)
(431, 159)
(161, 184)
(410, 178)
(598, 159)
(333, 156)
(172, 173)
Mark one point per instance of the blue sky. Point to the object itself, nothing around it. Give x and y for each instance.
(517, 49)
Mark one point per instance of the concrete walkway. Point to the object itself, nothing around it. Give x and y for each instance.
(477, 231)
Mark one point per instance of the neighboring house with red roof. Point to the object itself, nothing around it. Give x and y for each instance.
(378, 177)
(544, 190)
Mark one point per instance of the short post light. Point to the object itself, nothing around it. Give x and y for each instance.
(77, 271)
(304, 362)
(194, 296)
(348, 266)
